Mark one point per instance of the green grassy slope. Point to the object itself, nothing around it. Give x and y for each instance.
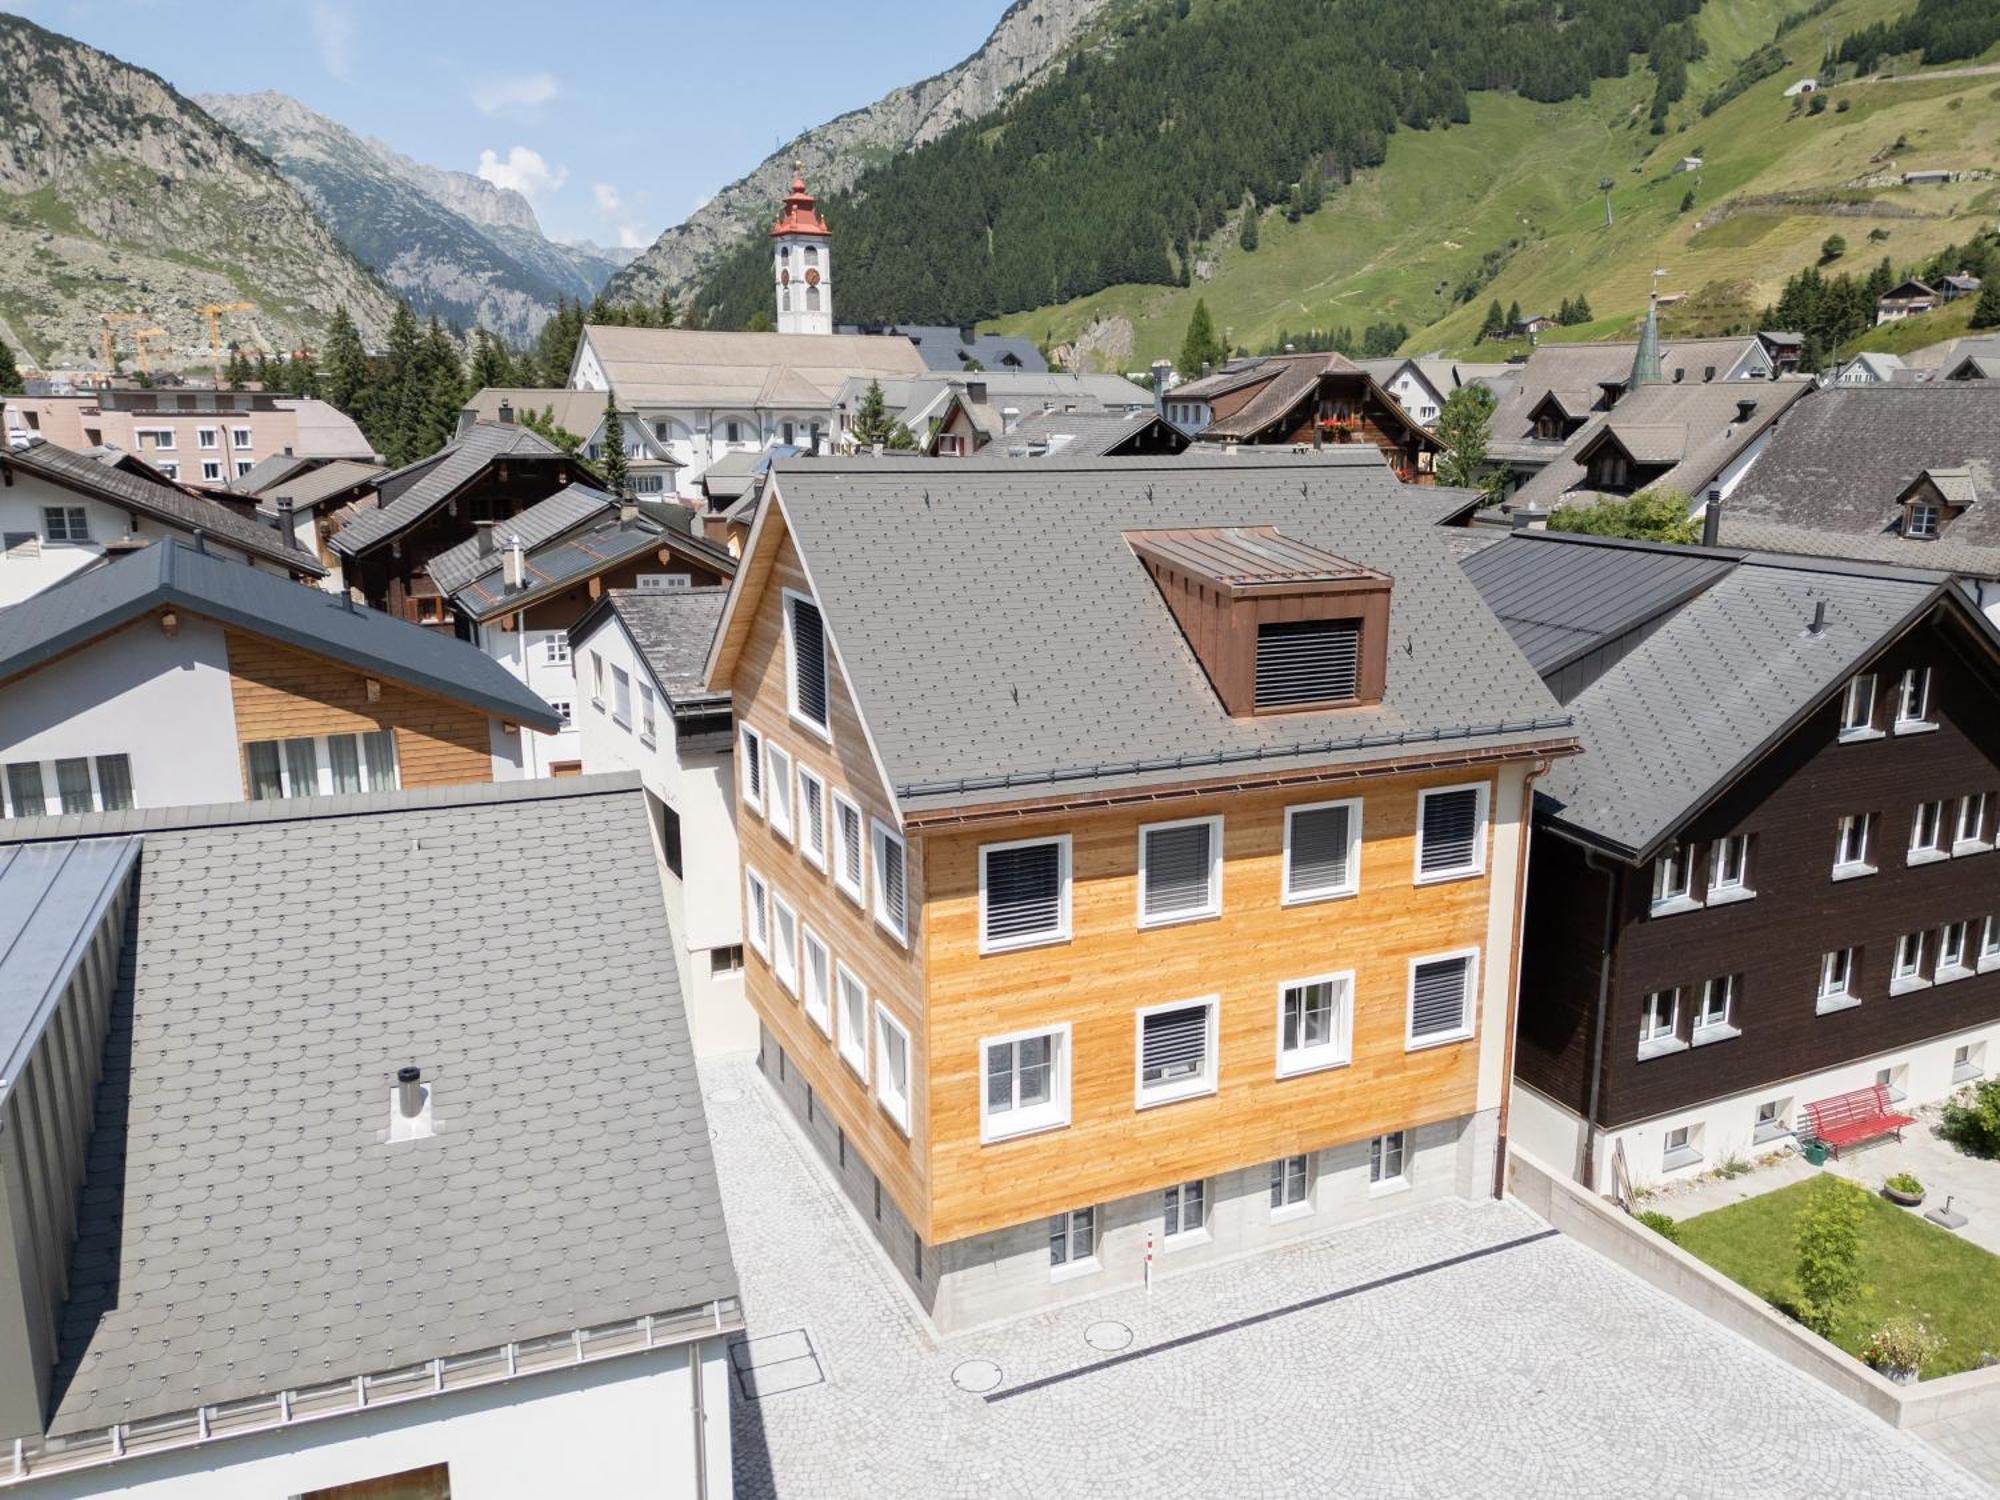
(1773, 185)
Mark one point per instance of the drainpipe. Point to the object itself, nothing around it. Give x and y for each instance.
(1614, 887)
(700, 1423)
(1539, 769)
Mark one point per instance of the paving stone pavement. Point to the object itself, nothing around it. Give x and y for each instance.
(1536, 1369)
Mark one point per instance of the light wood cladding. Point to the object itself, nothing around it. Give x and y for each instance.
(282, 693)
(892, 972)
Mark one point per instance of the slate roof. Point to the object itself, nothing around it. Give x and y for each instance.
(317, 486)
(945, 347)
(1580, 369)
(104, 479)
(1079, 434)
(443, 475)
(1828, 481)
(1562, 597)
(268, 471)
(244, 1228)
(581, 554)
(565, 510)
(1693, 428)
(95, 603)
(702, 367)
(1025, 651)
(673, 629)
(1288, 379)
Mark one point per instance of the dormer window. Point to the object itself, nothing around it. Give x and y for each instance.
(1922, 521)
(1934, 499)
(1278, 625)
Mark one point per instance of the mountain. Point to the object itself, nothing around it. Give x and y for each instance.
(1030, 38)
(451, 243)
(118, 195)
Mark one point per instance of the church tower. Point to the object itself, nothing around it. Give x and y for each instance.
(801, 262)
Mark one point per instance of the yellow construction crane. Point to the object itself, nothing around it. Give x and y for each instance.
(107, 340)
(213, 312)
(140, 338)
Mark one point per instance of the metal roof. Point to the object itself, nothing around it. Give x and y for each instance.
(51, 899)
(245, 1227)
(448, 471)
(565, 510)
(1242, 557)
(95, 603)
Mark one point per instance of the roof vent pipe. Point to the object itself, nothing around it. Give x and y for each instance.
(1819, 617)
(506, 412)
(1745, 410)
(409, 1092)
(1711, 522)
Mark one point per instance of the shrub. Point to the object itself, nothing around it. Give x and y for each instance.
(1905, 1182)
(1818, 105)
(1974, 1125)
(1843, 106)
(1734, 1167)
(1654, 516)
(1827, 1238)
(1661, 1224)
(1901, 1344)
(1833, 246)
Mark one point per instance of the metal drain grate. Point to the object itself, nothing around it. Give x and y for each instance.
(1107, 1337)
(977, 1376)
(775, 1364)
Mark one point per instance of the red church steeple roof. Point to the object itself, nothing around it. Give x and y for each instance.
(801, 213)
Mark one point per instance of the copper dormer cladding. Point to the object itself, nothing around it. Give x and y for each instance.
(801, 211)
(1278, 626)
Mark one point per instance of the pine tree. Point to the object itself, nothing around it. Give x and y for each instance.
(555, 345)
(1462, 428)
(237, 371)
(667, 309)
(617, 477)
(1566, 314)
(1247, 238)
(1494, 324)
(391, 415)
(1312, 190)
(1985, 314)
(1582, 309)
(10, 373)
(1513, 317)
(543, 424)
(1687, 200)
(491, 368)
(440, 390)
(302, 375)
(1201, 346)
(346, 379)
(872, 423)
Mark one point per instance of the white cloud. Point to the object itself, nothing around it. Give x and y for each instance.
(607, 196)
(514, 93)
(333, 34)
(523, 170)
(631, 237)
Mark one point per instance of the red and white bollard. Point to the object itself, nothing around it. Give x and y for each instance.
(1149, 1264)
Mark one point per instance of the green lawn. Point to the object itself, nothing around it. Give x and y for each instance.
(1908, 1266)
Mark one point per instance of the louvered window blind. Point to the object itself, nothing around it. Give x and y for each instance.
(1023, 893)
(850, 844)
(809, 661)
(1178, 869)
(1174, 1046)
(889, 881)
(1320, 860)
(753, 766)
(1307, 661)
(1437, 997)
(1451, 831)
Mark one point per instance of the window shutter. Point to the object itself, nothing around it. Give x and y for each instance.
(1177, 869)
(1308, 661)
(1175, 1044)
(1451, 829)
(891, 876)
(1023, 891)
(850, 843)
(1319, 849)
(809, 660)
(1437, 998)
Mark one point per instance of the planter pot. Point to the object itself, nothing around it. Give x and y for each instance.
(1907, 1200)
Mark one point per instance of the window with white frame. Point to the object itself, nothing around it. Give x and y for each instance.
(1837, 980)
(243, 466)
(805, 652)
(169, 468)
(849, 842)
(1773, 1121)
(207, 437)
(1715, 1014)
(1186, 1209)
(759, 916)
(1027, 1083)
(597, 680)
(1387, 1157)
(555, 650)
(725, 962)
(1441, 990)
(1315, 1023)
(1673, 880)
(65, 523)
(1927, 833)
(1659, 1023)
(750, 775)
(778, 790)
(1922, 523)
(1180, 871)
(785, 943)
(851, 1018)
(1023, 893)
(1954, 954)
(1968, 1062)
(892, 1067)
(1857, 708)
(239, 437)
(812, 817)
(1989, 944)
(1451, 832)
(1968, 835)
(648, 728)
(1895, 1079)
(1729, 869)
(1852, 846)
(1291, 1184)
(891, 895)
(72, 784)
(1073, 1239)
(323, 765)
(211, 469)
(1913, 701)
(1679, 1148)
(818, 975)
(564, 711)
(621, 697)
(1176, 1051)
(1322, 850)
(154, 437)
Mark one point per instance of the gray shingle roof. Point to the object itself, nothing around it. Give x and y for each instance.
(1709, 691)
(673, 630)
(1081, 434)
(1023, 639)
(565, 510)
(1580, 369)
(116, 486)
(244, 1227)
(94, 603)
(1828, 481)
(314, 487)
(450, 470)
(1561, 597)
(268, 471)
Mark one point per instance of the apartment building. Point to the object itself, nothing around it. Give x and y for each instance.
(195, 437)
(1138, 878)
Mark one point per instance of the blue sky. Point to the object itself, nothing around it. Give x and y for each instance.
(616, 119)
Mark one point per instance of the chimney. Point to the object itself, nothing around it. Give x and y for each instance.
(285, 518)
(1161, 371)
(515, 568)
(975, 392)
(288, 450)
(201, 541)
(628, 510)
(1711, 521)
(1205, 369)
(482, 532)
(1529, 518)
(1010, 418)
(506, 412)
(1745, 410)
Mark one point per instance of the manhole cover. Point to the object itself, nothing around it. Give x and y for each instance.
(976, 1375)
(1107, 1336)
(725, 1096)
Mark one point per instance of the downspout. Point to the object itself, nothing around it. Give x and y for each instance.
(1540, 768)
(700, 1423)
(1614, 879)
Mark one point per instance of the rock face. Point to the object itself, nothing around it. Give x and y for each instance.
(1032, 36)
(451, 243)
(118, 195)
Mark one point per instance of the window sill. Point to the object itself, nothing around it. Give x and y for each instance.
(1852, 872)
(1831, 1003)
(1419, 1043)
(1916, 726)
(1390, 1188)
(1296, 1066)
(1070, 1270)
(1708, 1036)
(1967, 1073)
(1292, 1211)
(1925, 856)
(1178, 919)
(1039, 1125)
(1908, 985)
(1187, 1239)
(783, 833)
(1954, 972)
(851, 892)
(900, 1121)
(1309, 898)
(1660, 1047)
(1673, 906)
(1764, 1135)
(648, 741)
(1856, 736)
(1016, 945)
(1439, 877)
(1989, 962)
(900, 934)
(1174, 1094)
(1687, 1156)
(624, 724)
(1962, 847)
(1730, 895)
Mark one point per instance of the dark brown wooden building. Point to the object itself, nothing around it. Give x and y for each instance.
(1309, 400)
(1770, 879)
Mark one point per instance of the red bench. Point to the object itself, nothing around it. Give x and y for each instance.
(1849, 1119)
